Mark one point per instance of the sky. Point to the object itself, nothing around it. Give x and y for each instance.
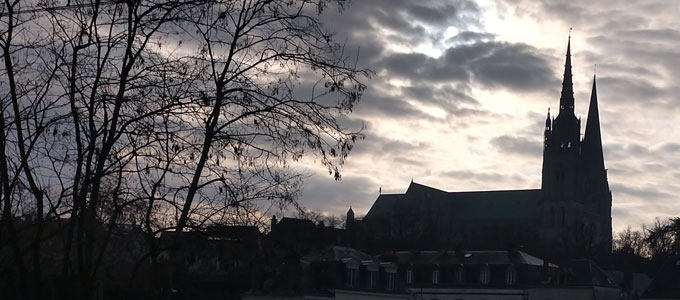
(462, 88)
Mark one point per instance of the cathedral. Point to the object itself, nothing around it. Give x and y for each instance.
(568, 217)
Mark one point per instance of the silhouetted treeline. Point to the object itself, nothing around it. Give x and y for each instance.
(124, 121)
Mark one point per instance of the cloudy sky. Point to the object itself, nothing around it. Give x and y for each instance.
(462, 89)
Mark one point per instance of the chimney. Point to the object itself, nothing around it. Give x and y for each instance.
(545, 272)
(273, 223)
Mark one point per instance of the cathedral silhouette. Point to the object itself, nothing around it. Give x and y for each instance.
(568, 217)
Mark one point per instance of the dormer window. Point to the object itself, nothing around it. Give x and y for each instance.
(459, 275)
(435, 276)
(390, 280)
(352, 276)
(484, 275)
(511, 275)
(372, 279)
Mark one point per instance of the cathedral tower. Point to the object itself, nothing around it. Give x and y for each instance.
(576, 201)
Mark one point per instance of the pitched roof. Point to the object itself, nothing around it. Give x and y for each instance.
(468, 258)
(585, 272)
(666, 282)
(470, 206)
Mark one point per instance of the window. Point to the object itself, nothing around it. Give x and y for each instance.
(435, 276)
(511, 275)
(409, 276)
(390, 281)
(351, 277)
(484, 275)
(459, 275)
(372, 279)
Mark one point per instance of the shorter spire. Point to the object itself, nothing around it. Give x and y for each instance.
(592, 140)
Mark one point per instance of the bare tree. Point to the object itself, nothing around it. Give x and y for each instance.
(318, 217)
(663, 237)
(170, 115)
(631, 241)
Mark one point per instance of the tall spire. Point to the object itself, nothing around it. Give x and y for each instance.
(592, 140)
(567, 97)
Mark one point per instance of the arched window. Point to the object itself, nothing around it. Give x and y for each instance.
(484, 275)
(511, 275)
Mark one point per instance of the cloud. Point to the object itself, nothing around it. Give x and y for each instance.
(485, 177)
(517, 67)
(380, 147)
(645, 192)
(517, 145)
(337, 196)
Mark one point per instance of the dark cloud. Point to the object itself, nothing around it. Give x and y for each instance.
(518, 145)
(337, 196)
(615, 151)
(402, 21)
(644, 193)
(382, 146)
(373, 105)
(471, 36)
(668, 148)
(448, 97)
(517, 67)
(650, 35)
(485, 177)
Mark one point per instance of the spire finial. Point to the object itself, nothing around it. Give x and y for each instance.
(567, 95)
(570, 28)
(594, 70)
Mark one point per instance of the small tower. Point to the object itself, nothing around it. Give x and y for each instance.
(350, 218)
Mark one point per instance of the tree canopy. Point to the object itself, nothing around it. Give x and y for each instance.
(165, 114)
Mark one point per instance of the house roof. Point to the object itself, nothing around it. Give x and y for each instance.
(474, 205)
(336, 253)
(468, 258)
(585, 272)
(666, 282)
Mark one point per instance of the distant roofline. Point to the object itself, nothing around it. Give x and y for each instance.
(448, 192)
